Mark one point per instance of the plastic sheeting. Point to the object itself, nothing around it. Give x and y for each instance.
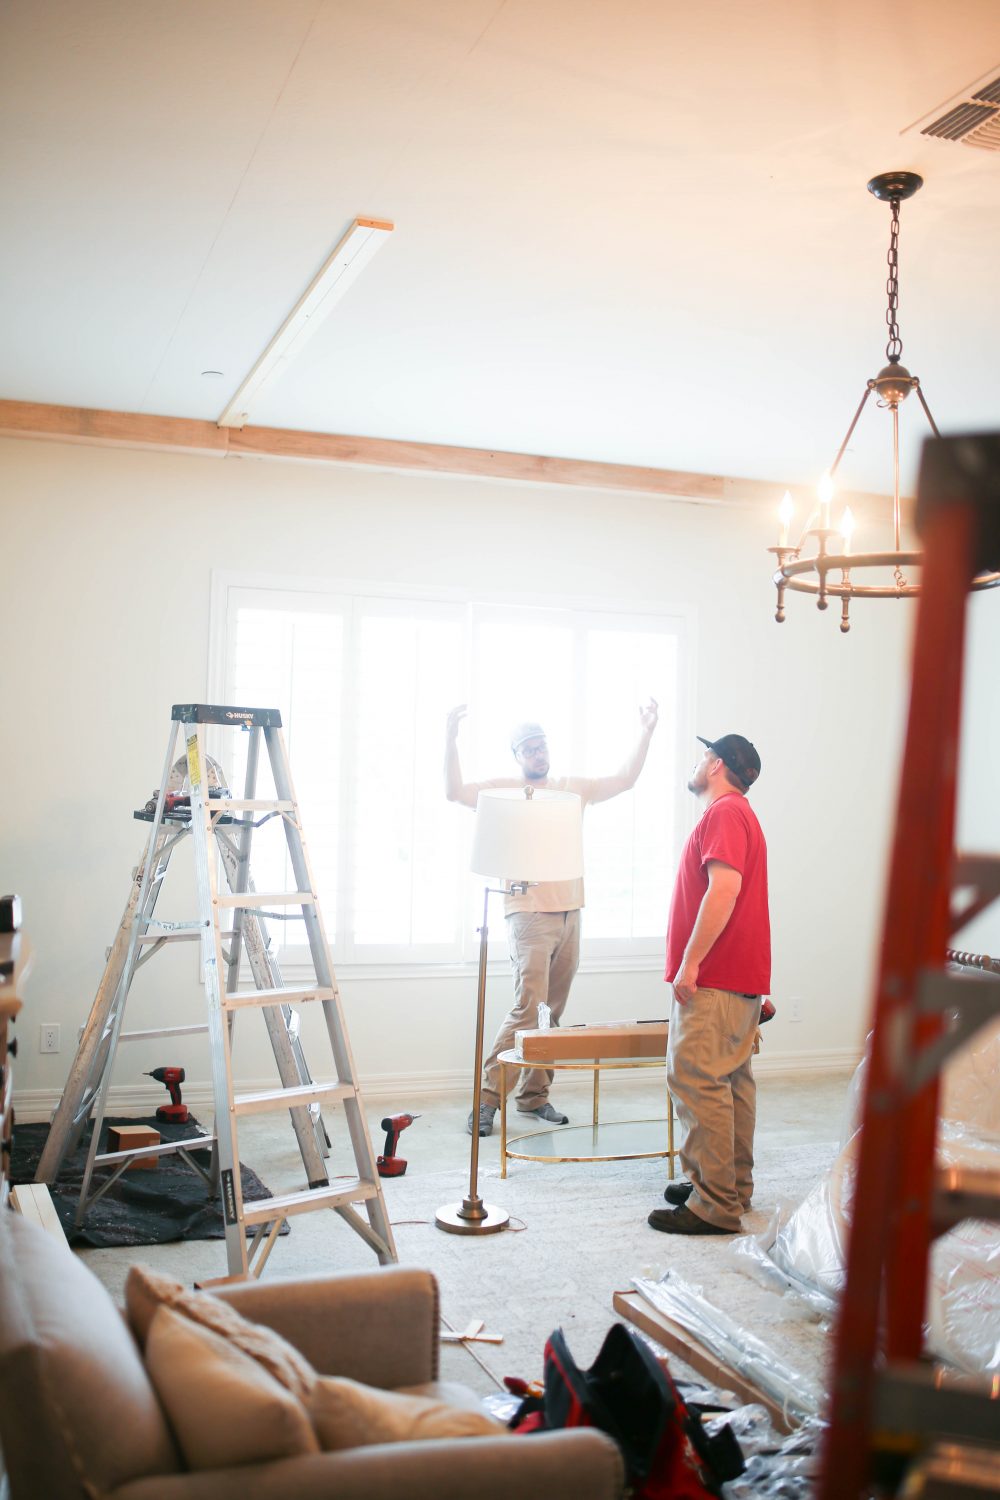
(803, 1251)
(795, 1393)
(778, 1466)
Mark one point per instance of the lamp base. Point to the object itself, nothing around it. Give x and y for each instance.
(453, 1218)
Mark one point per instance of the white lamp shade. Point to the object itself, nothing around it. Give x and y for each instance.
(528, 838)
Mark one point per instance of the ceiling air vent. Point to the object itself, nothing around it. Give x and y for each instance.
(971, 118)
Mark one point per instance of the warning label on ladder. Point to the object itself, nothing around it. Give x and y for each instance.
(229, 1197)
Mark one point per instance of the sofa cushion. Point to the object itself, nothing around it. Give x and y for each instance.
(146, 1291)
(224, 1406)
(347, 1414)
(78, 1415)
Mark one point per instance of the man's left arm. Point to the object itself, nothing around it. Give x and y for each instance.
(603, 787)
(724, 885)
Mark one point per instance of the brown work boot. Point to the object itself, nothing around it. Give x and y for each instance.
(683, 1221)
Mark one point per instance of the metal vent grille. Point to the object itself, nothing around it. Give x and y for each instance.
(960, 120)
(991, 91)
(972, 118)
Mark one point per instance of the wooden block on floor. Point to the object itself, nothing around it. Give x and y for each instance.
(33, 1201)
(129, 1138)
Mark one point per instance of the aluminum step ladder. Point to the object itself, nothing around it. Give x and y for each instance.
(222, 829)
(891, 1408)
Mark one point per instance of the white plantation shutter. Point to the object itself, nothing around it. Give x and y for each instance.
(406, 869)
(364, 683)
(630, 841)
(287, 652)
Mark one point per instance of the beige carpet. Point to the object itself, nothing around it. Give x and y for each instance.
(584, 1236)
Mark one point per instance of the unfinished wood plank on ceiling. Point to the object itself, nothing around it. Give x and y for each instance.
(181, 434)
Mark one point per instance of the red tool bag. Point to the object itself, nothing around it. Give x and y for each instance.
(629, 1394)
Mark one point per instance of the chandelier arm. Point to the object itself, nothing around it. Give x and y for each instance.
(854, 422)
(927, 411)
(895, 473)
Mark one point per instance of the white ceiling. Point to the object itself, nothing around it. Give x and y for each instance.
(629, 230)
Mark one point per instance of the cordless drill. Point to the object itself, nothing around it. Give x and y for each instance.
(389, 1164)
(175, 1112)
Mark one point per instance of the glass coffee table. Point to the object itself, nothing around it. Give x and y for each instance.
(611, 1140)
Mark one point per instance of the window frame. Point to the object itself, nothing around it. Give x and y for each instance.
(229, 589)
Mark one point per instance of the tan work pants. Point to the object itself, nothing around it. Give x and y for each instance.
(709, 1075)
(545, 954)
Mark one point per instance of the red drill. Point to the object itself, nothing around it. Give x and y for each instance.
(389, 1164)
(175, 1112)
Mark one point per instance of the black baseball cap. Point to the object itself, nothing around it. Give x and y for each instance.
(738, 754)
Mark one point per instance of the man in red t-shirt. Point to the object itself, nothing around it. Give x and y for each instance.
(719, 963)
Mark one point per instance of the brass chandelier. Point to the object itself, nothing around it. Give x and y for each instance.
(832, 569)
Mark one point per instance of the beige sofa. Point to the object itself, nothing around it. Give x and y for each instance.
(79, 1418)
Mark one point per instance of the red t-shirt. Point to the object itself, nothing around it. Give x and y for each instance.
(740, 957)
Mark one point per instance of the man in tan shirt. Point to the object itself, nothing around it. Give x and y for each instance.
(543, 925)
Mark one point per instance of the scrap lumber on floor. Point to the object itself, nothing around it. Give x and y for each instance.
(33, 1201)
(677, 1340)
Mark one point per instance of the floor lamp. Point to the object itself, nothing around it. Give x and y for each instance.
(521, 837)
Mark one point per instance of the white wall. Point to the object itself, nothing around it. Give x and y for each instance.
(107, 562)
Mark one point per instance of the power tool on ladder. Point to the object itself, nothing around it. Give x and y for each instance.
(895, 1419)
(193, 801)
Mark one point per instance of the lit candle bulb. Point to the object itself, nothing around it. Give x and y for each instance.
(825, 492)
(785, 512)
(847, 529)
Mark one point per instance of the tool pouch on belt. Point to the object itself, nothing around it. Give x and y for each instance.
(629, 1394)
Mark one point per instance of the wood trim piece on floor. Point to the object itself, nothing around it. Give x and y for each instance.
(677, 1340)
(78, 424)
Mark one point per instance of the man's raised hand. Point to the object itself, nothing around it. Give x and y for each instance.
(454, 720)
(649, 713)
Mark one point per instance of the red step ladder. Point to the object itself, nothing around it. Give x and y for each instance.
(889, 1407)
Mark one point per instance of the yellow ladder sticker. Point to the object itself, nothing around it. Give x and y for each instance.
(194, 762)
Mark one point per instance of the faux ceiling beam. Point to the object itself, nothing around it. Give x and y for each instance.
(77, 424)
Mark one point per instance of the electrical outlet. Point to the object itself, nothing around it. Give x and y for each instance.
(795, 1008)
(48, 1037)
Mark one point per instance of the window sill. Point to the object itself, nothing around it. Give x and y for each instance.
(353, 973)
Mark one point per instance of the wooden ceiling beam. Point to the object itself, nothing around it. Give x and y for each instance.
(77, 424)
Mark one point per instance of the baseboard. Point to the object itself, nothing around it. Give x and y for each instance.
(823, 1060)
(400, 1088)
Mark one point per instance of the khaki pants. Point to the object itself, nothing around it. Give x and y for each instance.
(545, 954)
(708, 1074)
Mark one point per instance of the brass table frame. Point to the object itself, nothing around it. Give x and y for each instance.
(595, 1065)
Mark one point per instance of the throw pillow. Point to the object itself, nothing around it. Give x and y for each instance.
(146, 1291)
(347, 1414)
(223, 1406)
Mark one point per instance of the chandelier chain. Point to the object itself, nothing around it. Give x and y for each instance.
(894, 348)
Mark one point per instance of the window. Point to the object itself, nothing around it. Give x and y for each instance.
(364, 680)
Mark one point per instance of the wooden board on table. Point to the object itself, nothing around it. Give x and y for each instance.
(613, 1039)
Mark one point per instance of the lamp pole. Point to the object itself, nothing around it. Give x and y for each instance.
(472, 1215)
(540, 838)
